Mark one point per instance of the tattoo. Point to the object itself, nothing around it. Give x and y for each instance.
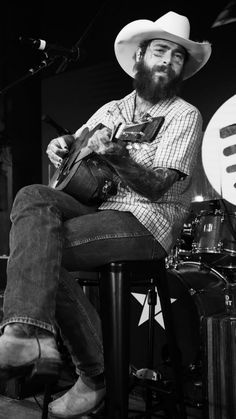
(151, 184)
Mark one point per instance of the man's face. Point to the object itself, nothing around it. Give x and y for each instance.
(159, 72)
(164, 58)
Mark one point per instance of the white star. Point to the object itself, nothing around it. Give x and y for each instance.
(143, 300)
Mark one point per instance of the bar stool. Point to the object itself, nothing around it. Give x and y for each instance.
(114, 281)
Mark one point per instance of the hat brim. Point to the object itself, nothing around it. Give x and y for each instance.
(128, 41)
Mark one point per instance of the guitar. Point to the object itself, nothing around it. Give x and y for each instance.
(85, 175)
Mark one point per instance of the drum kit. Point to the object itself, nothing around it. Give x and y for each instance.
(210, 239)
(201, 264)
(204, 259)
(209, 236)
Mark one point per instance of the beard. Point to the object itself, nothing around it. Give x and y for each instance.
(165, 88)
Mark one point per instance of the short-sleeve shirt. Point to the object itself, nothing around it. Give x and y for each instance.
(175, 146)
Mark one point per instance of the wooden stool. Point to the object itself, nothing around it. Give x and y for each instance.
(115, 280)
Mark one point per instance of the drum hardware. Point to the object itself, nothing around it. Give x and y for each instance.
(148, 374)
(182, 248)
(194, 385)
(216, 249)
(203, 266)
(229, 250)
(227, 262)
(196, 290)
(192, 291)
(172, 259)
(185, 242)
(214, 238)
(187, 229)
(206, 235)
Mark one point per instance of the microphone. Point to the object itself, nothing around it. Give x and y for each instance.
(72, 54)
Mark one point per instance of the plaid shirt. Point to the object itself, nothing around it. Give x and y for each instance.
(175, 146)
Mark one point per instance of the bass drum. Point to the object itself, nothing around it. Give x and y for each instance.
(196, 290)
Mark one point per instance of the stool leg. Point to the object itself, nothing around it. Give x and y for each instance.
(115, 301)
(46, 400)
(152, 300)
(175, 356)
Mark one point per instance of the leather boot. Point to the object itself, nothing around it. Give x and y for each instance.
(21, 352)
(78, 401)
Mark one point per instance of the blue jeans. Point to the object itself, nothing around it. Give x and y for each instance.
(51, 234)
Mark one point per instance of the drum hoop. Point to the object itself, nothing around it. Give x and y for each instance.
(229, 251)
(206, 249)
(217, 273)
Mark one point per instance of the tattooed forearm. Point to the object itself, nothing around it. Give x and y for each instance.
(149, 183)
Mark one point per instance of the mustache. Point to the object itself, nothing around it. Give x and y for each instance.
(164, 69)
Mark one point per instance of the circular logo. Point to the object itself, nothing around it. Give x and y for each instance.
(219, 151)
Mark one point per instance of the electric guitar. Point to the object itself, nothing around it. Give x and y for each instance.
(85, 175)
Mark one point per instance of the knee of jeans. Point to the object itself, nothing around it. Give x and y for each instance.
(25, 196)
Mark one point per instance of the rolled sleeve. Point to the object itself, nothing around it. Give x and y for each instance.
(179, 143)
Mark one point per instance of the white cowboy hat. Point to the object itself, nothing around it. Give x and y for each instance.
(172, 27)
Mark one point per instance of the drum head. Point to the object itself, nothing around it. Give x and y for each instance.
(196, 290)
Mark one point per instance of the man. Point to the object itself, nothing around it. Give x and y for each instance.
(52, 231)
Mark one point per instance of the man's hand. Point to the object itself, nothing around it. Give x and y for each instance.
(58, 148)
(101, 143)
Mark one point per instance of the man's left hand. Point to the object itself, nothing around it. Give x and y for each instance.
(101, 143)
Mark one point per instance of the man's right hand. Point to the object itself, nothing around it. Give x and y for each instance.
(58, 149)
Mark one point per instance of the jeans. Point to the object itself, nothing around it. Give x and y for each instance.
(53, 234)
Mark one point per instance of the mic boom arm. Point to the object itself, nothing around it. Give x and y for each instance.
(72, 54)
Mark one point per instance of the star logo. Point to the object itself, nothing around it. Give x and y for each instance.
(143, 300)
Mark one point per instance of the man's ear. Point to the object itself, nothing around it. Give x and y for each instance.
(139, 54)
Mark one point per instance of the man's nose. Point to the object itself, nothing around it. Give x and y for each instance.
(166, 59)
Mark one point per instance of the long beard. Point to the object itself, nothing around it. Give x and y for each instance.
(151, 90)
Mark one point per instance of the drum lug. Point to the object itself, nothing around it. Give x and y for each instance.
(192, 291)
(220, 246)
(194, 246)
(172, 260)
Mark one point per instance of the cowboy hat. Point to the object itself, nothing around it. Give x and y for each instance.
(171, 27)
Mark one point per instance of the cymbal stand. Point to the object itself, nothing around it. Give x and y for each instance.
(152, 381)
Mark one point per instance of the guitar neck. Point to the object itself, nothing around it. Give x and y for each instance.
(83, 153)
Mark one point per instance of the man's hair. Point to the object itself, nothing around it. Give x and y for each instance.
(143, 46)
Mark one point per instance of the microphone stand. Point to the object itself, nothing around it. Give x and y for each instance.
(64, 63)
(46, 62)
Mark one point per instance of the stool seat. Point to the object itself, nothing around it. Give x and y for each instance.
(114, 280)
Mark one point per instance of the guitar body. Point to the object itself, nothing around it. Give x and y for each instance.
(71, 162)
(85, 175)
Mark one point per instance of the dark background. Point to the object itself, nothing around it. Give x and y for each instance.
(69, 97)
